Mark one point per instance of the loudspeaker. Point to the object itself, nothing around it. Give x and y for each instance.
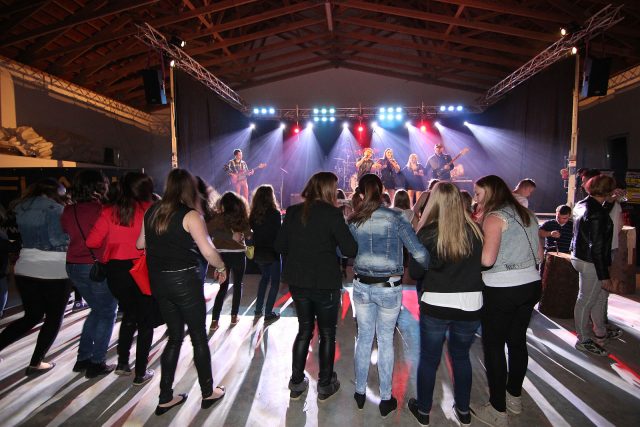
(154, 87)
(596, 76)
(111, 156)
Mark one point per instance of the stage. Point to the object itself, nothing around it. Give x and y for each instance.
(563, 386)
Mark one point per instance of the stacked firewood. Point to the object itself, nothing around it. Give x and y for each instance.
(24, 141)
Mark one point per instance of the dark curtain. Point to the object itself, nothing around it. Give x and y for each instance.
(533, 132)
(202, 120)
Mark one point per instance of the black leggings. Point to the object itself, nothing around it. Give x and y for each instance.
(505, 318)
(40, 298)
(235, 263)
(311, 305)
(181, 300)
(137, 312)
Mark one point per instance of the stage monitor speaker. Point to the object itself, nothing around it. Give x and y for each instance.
(154, 87)
(596, 76)
(111, 156)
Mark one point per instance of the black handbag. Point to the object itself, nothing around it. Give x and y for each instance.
(98, 272)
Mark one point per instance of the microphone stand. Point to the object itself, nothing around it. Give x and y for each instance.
(282, 186)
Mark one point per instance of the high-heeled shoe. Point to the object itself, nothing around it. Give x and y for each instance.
(208, 402)
(164, 409)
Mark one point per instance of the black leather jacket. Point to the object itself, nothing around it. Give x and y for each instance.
(592, 234)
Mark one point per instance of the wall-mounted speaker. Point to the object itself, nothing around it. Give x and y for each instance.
(154, 87)
(595, 81)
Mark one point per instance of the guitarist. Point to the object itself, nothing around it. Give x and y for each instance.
(440, 164)
(238, 171)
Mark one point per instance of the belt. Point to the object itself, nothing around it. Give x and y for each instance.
(385, 284)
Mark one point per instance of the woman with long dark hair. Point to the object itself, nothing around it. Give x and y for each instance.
(512, 252)
(89, 189)
(452, 299)
(175, 237)
(118, 228)
(228, 229)
(265, 222)
(309, 236)
(40, 272)
(381, 233)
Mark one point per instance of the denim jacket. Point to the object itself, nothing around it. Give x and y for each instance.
(380, 240)
(38, 220)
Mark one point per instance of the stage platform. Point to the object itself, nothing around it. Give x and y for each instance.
(564, 387)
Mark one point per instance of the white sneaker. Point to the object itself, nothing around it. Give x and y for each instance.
(489, 415)
(514, 404)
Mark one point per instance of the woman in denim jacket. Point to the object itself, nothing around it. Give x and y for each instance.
(377, 292)
(40, 272)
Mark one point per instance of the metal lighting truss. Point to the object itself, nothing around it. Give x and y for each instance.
(364, 113)
(85, 96)
(601, 21)
(152, 38)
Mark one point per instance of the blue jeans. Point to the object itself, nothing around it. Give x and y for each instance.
(433, 332)
(270, 272)
(377, 311)
(98, 326)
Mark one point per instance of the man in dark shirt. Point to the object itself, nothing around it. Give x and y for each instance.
(440, 163)
(558, 232)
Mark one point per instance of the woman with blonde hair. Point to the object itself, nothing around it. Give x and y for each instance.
(512, 252)
(310, 233)
(175, 237)
(451, 300)
(414, 177)
(381, 233)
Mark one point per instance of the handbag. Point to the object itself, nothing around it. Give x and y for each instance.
(98, 272)
(140, 274)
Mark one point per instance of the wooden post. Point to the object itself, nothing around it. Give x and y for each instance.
(573, 150)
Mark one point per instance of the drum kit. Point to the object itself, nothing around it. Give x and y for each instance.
(345, 170)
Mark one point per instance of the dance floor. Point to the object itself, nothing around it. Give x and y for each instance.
(564, 387)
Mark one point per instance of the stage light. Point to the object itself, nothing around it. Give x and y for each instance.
(459, 108)
(437, 123)
(323, 111)
(443, 108)
(423, 129)
(360, 128)
(324, 119)
(324, 114)
(407, 123)
(332, 119)
(283, 126)
(172, 64)
(332, 110)
(345, 125)
(574, 50)
(563, 32)
(272, 110)
(390, 110)
(398, 110)
(309, 125)
(382, 109)
(466, 123)
(382, 117)
(256, 111)
(315, 111)
(177, 41)
(450, 108)
(316, 119)
(263, 110)
(398, 117)
(374, 124)
(252, 126)
(296, 129)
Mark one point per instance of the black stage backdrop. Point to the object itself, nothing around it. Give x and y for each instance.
(532, 127)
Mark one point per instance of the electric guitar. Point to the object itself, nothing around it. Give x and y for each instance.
(242, 175)
(441, 172)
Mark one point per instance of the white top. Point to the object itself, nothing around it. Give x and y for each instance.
(465, 301)
(616, 217)
(42, 264)
(510, 278)
(521, 199)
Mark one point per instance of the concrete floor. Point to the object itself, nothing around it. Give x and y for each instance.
(563, 386)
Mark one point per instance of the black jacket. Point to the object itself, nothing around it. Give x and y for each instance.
(264, 236)
(312, 260)
(592, 234)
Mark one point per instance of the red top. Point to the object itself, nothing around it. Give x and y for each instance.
(88, 213)
(119, 240)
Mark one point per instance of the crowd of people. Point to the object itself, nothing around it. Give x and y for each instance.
(475, 260)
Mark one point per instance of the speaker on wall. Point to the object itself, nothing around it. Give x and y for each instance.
(111, 156)
(154, 87)
(596, 76)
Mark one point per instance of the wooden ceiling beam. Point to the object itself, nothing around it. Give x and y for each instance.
(447, 20)
(110, 35)
(285, 67)
(510, 8)
(467, 41)
(290, 74)
(413, 78)
(76, 19)
(387, 41)
(28, 11)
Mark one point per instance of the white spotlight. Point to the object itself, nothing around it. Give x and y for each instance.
(442, 108)
(309, 125)
(459, 108)
(345, 125)
(272, 110)
(466, 123)
(450, 108)
(263, 111)
(563, 32)
(256, 111)
(574, 50)
(172, 63)
(374, 124)
(252, 126)
(282, 126)
(437, 123)
(408, 124)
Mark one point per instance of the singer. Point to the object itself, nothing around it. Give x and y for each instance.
(389, 170)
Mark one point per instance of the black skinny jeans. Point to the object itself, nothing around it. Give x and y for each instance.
(181, 300)
(137, 312)
(505, 318)
(313, 305)
(235, 263)
(40, 298)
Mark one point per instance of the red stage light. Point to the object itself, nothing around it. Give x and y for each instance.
(296, 129)
(423, 129)
(360, 128)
